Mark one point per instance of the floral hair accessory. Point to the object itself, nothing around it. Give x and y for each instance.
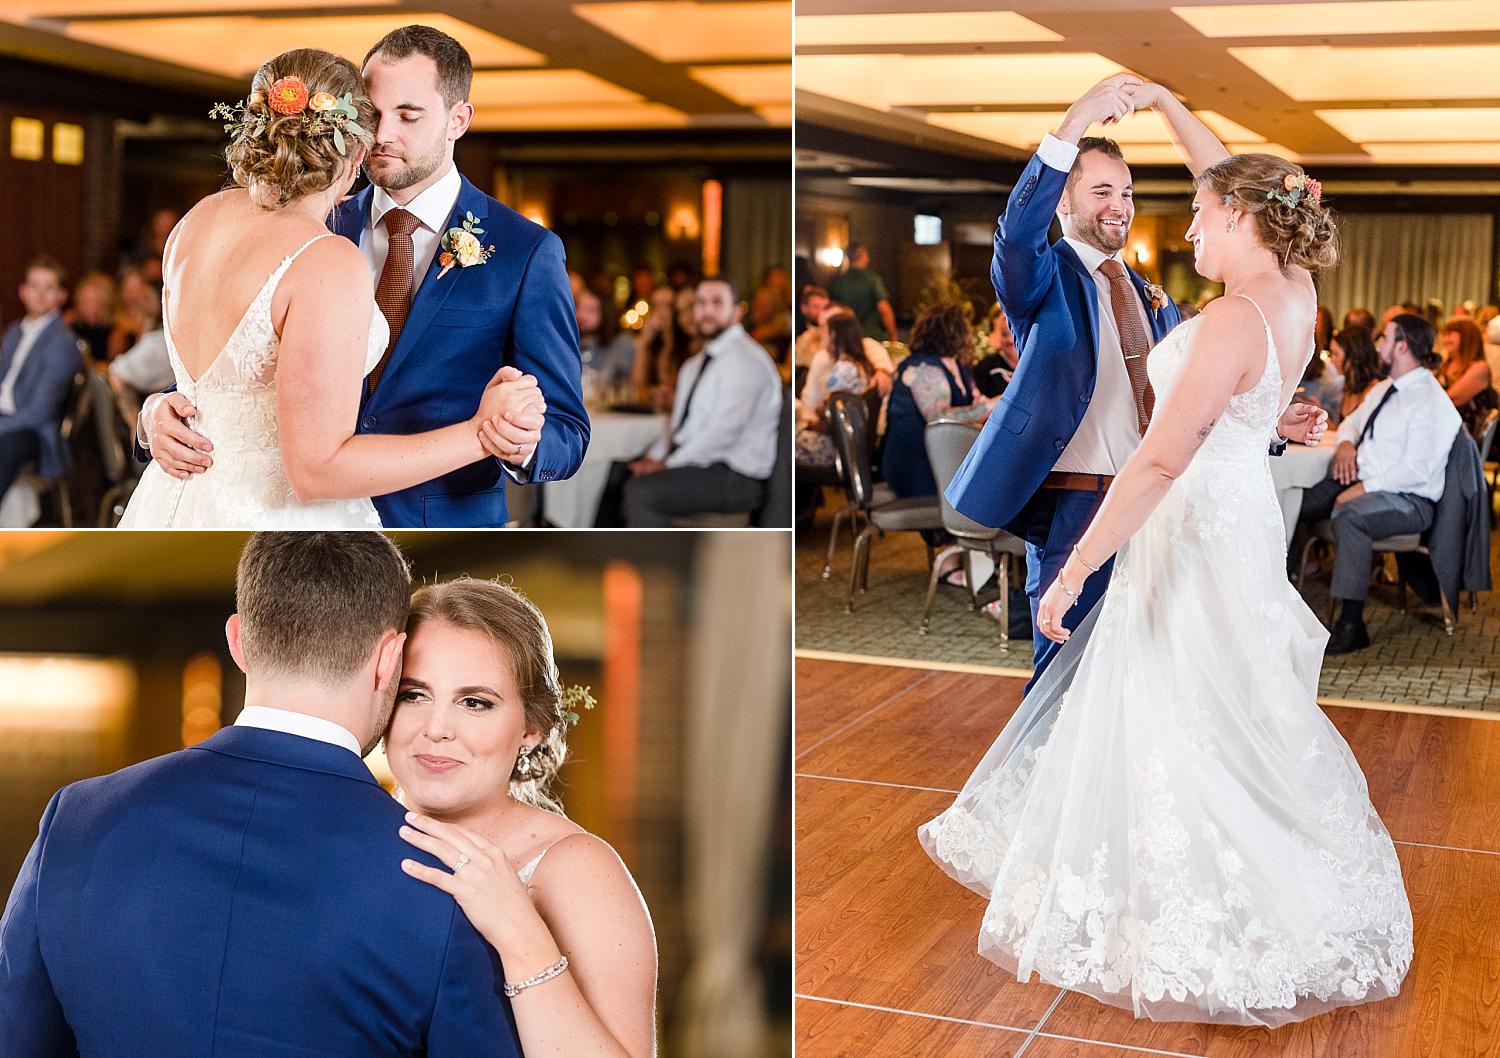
(461, 246)
(574, 699)
(322, 114)
(1295, 187)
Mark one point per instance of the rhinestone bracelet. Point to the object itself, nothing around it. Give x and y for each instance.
(511, 991)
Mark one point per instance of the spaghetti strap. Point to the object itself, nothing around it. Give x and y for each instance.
(1258, 310)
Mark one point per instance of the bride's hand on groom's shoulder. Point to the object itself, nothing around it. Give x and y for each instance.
(485, 885)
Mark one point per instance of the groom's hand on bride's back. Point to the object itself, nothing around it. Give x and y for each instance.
(171, 441)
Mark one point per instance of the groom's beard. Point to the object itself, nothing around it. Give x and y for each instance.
(398, 175)
(1093, 232)
(383, 709)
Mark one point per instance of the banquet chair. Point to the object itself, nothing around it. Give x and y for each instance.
(871, 399)
(775, 507)
(948, 441)
(851, 427)
(1486, 441)
(56, 490)
(110, 431)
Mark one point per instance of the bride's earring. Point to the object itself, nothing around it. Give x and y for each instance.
(523, 763)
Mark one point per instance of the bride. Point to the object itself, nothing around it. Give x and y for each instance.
(271, 325)
(475, 740)
(1169, 823)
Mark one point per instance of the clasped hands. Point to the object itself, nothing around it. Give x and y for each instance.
(1109, 102)
(510, 416)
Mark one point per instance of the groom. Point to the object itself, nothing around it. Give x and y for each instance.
(450, 330)
(1085, 322)
(245, 897)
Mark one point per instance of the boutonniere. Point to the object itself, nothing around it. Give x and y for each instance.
(461, 246)
(1158, 297)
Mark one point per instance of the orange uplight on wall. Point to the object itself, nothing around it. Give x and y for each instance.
(28, 139)
(535, 213)
(202, 679)
(682, 222)
(63, 693)
(713, 225)
(67, 144)
(623, 604)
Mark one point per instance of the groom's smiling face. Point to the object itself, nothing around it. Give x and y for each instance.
(1099, 203)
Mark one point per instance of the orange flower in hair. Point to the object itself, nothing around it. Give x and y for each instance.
(288, 96)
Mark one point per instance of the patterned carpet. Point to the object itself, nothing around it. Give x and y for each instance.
(1410, 661)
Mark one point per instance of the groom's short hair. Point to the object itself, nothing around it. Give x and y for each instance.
(315, 604)
(455, 70)
(1102, 144)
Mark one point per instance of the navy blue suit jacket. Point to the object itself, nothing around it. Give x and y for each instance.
(42, 390)
(517, 309)
(241, 899)
(1052, 305)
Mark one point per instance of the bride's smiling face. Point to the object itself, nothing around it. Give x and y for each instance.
(459, 722)
(1208, 234)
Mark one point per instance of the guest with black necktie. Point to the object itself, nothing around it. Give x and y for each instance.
(1388, 472)
(720, 447)
(38, 358)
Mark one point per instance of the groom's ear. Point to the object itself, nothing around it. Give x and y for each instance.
(232, 634)
(459, 119)
(388, 661)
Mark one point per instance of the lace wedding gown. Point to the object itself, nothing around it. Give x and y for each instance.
(247, 486)
(1169, 823)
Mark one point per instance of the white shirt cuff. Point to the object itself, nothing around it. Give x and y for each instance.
(1057, 154)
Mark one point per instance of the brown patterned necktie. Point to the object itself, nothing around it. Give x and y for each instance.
(393, 292)
(1134, 342)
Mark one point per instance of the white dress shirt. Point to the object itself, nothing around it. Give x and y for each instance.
(432, 208)
(301, 724)
(1108, 434)
(31, 330)
(1407, 448)
(146, 367)
(736, 412)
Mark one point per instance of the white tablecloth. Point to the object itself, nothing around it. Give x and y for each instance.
(1297, 469)
(572, 504)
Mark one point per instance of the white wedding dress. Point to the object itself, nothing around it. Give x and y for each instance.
(1169, 823)
(247, 486)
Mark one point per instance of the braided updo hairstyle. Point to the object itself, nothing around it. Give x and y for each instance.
(1304, 234)
(288, 162)
(517, 628)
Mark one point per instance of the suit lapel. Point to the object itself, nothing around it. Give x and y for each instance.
(1090, 292)
(434, 292)
(8, 349)
(1156, 317)
(352, 218)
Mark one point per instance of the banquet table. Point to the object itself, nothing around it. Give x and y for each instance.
(1298, 469)
(613, 435)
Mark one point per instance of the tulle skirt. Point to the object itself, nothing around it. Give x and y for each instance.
(1170, 823)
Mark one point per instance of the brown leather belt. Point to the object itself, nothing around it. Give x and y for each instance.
(1078, 482)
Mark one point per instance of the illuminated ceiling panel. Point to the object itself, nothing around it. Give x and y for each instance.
(1414, 125)
(1485, 153)
(690, 31)
(517, 88)
(885, 81)
(1026, 129)
(525, 118)
(236, 45)
(1324, 20)
(1166, 154)
(781, 117)
(928, 27)
(1434, 71)
(84, 8)
(761, 85)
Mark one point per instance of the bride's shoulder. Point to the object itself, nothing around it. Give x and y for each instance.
(580, 861)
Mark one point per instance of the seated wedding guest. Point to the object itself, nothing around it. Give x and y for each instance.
(681, 275)
(770, 317)
(1322, 384)
(1392, 312)
(601, 344)
(138, 304)
(1465, 373)
(145, 367)
(720, 447)
(935, 382)
(815, 388)
(1359, 317)
(850, 372)
(92, 315)
(38, 358)
(1388, 472)
(811, 305)
(992, 372)
(1492, 346)
(662, 346)
(1484, 315)
(1322, 329)
(1352, 353)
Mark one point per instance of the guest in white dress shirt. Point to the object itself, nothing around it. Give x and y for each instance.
(1388, 472)
(38, 359)
(720, 446)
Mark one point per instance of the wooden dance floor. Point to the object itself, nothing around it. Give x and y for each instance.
(886, 943)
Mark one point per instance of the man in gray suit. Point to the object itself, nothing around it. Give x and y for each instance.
(38, 359)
